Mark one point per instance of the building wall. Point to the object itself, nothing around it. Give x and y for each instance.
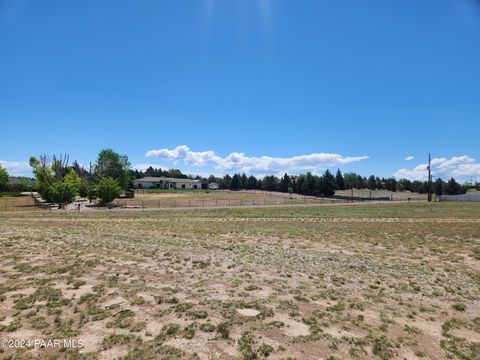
(145, 185)
(188, 186)
(176, 185)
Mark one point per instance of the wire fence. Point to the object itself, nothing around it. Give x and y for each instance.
(213, 203)
(35, 203)
(19, 204)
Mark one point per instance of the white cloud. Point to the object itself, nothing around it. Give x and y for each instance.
(462, 168)
(17, 168)
(409, 158)
(237, 161)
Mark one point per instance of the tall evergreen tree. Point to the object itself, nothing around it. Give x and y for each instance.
(339, 180)
(284, 183)
(225, 183)
(243, 181)
(309, 184)
(438, 187)
(251, 183)
(452, 187)
(235, 183)
(372, 182)
(327, 184)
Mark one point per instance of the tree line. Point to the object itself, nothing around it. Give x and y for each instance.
(326, 184)
(111, 174)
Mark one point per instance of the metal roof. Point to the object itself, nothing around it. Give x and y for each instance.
(158, 179)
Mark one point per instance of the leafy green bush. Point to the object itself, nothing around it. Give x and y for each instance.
(61, 193)
(108, 189)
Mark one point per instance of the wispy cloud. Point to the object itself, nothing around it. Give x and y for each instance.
(409, 158)
(462, 168)
(238, 161)
(17, 168)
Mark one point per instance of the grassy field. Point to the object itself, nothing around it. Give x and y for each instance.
(397, 281)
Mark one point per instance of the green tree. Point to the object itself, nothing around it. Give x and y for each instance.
(284, 183)
(391, 184)
(111, 164)
(308, 184)
(339, 180)
(235, 183)
(270, 183)
(83, 189)
(62, 193)
(3, 178)
(73, 179)
(452, 187)
(225, 183)
(108, 189)
(360, 182)
(350, 180)
(243, 181)
(251, 182)
(372, 182)
(404, 185)
(20, 184)
(91, 192)
(44, 175)
(327, 184)
(438, 187)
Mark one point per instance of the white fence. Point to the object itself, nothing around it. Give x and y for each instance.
(465, 197)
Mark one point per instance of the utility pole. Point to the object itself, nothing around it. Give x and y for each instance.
(429, 179)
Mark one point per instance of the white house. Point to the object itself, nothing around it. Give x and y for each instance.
(166, 183)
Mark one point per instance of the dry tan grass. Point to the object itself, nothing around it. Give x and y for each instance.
(359, 282)
(16, 203)
(395, 195)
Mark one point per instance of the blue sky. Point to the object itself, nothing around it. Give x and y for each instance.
(245, 85)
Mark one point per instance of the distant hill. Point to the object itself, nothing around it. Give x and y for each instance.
(17, 179)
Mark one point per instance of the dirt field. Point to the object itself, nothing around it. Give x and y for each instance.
(16, 203)
(223, 198)
(328, 282)
(395, 195)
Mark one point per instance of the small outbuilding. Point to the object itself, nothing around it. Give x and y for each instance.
(213, 186)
